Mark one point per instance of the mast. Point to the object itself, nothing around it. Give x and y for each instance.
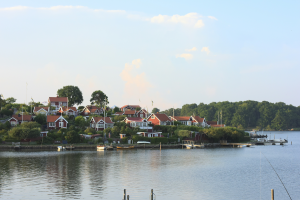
(173, 116)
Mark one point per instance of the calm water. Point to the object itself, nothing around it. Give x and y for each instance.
(221, 173)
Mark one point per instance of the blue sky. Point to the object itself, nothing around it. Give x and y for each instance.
(168, 52)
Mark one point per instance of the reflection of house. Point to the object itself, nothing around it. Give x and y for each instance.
(68, 110)
(92, 110)
(58, 102)
(147, 134)
(142, 113)
(56, 122)
(98, 123)
(130, 113)
(159, 119)
(129, 107)
(41, 110)
(138, 122)
(19, 119)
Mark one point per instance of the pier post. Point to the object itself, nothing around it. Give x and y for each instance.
(160, 146)
(124, 197)
(151, 194)
(272, 194)
(127, 197)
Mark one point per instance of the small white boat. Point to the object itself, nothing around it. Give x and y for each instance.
(189, 146)
(143, 142)
(60, 148)
(101, 147)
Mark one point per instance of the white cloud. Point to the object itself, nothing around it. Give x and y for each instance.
(191, 19)
(135, 84)
(192, 49)
(15, 8)
(205, 49)
(186, 56)
(212, 17)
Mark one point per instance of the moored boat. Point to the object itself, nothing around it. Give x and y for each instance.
(70, 147)
(60, 148)
(130, 147)
(101, 147)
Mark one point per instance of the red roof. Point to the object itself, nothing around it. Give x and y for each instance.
(181, 118)
(198, 119)
(134, 119)
(212, 122)
(107, 119)
(162, 117)
(144, 111)
(58, 99)
(119, 113)
(39, 108)
(129, 112)
(25, 117)
(52, 118)
(133, 106)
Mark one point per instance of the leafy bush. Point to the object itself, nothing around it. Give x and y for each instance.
(90, 130)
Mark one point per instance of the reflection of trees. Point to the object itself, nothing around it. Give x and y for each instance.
(64, 174)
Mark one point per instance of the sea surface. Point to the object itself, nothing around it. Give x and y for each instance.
(175, 174)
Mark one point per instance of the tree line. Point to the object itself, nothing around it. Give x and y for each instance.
(244, 114)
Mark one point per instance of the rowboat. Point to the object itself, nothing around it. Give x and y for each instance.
(101, 147)
(143, 142)
(109, 148)
(70, 148)
(130, 147)
(60, 148)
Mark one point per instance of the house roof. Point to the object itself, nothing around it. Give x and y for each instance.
(25, 117)
(119, 113)
(181, 118)
(68, 108)
(134, 119)
(107, 119)
(198, 119)
(162, 117)
(39, 108)
(58, 99)
(133, 106)
(129, 112)
(54, 118)
(212, 122)
(92, 109)
(143, 110)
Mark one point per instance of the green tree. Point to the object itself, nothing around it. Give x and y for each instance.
(115, 130)
(279, 123)
(7, 125)
(81, 122)
(7, 112)
(183, 133)
(155, 110)
(107, 130)
(128, 131)
(138, 108)
(30, 125)
(90, 130)
(122, 131)
(73, 93)
(99, 98)
(10, 100)
(41, 119)
(72, 137)
(116, 109)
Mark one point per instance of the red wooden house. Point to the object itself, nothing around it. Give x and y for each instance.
(98, 123)
(185, 120)
(68, 110)
(142, 113)
(129, 107)
(94, 110)
(18, 119)
(130, 113)
(56, 122)
(138, 122)
(159, 119)
(58, 102)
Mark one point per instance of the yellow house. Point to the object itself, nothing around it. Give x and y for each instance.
(41, 110)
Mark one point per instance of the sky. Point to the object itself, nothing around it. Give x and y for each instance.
(169, 52)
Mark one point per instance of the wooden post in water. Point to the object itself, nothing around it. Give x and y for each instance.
(127, 197)
(151, 194)
(272, 194)
(124, 197)
(160, 146)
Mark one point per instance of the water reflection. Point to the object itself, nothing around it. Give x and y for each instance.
(229, 173)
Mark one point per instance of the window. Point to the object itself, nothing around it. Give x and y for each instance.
(61, 124)
(93, 125)
(100, 125)
(142, 115)
(132, 124)
(51, 124)
(152, 117)
(64, 104)
(13, 123)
